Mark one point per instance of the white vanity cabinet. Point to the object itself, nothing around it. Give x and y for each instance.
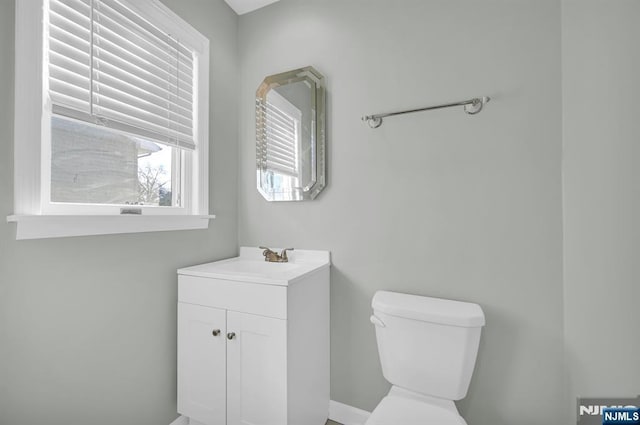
(253, 340)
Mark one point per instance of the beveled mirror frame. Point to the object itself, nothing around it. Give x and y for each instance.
(317, 137)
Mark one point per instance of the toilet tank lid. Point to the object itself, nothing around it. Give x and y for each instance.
(427, 309)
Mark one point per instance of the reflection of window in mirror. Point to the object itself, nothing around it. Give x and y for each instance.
(283, 143)
(290, 138)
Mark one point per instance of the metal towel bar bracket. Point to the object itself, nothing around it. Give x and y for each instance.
(471, 107)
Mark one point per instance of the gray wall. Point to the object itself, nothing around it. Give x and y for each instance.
(87, 325)
(436, 203)
(601, 64)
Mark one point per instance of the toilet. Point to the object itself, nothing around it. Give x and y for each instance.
(427, 348)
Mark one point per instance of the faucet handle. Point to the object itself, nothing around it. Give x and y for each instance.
(283, 255)
(267, 253)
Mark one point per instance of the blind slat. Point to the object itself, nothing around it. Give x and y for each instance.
(122, 66)
(277, 127)
(159, 137)
(281, 118)
(112, 100)
(70, 51)
(61, 36)
(138, 23)
(281, 148)
(284, 157)
(112, 67)
(110, 23)
(281, 168)
(282, 121)
(68, 77)
(284, 141)
(70, 102)
(66, 23)
(107, 51)
(179, 107)
(129, 78)
(82, 6)
(161, 62)
(75, 12)
(69, 64)
(143, 124)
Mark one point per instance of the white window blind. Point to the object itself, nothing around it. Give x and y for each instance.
(110, 66)
(283, 130)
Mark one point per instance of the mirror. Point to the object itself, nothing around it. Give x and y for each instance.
(290, 135)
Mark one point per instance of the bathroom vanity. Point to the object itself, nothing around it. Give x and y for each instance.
(253, 340)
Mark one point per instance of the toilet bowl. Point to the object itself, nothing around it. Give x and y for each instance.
(427, 348)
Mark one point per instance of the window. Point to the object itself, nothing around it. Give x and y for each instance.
(119, 92)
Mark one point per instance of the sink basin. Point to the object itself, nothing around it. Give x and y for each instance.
(251, 267)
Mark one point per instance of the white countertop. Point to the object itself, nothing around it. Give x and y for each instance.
(251, 267)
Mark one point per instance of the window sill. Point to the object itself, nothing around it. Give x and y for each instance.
(60, 226)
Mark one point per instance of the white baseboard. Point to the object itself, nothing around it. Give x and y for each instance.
(182, 420)
(338, 412)
(347, 415)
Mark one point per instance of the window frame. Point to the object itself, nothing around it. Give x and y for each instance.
(35, 215)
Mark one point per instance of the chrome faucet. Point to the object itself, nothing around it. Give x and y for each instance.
(273, 257)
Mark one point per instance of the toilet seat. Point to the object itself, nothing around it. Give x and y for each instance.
(394, 410)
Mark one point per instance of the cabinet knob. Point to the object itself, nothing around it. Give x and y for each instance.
(215, 332)
(231, 335)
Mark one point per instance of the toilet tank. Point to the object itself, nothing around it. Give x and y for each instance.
(427, 345)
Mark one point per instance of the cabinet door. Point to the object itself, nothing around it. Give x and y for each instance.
(256, 370)
(202, 363)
